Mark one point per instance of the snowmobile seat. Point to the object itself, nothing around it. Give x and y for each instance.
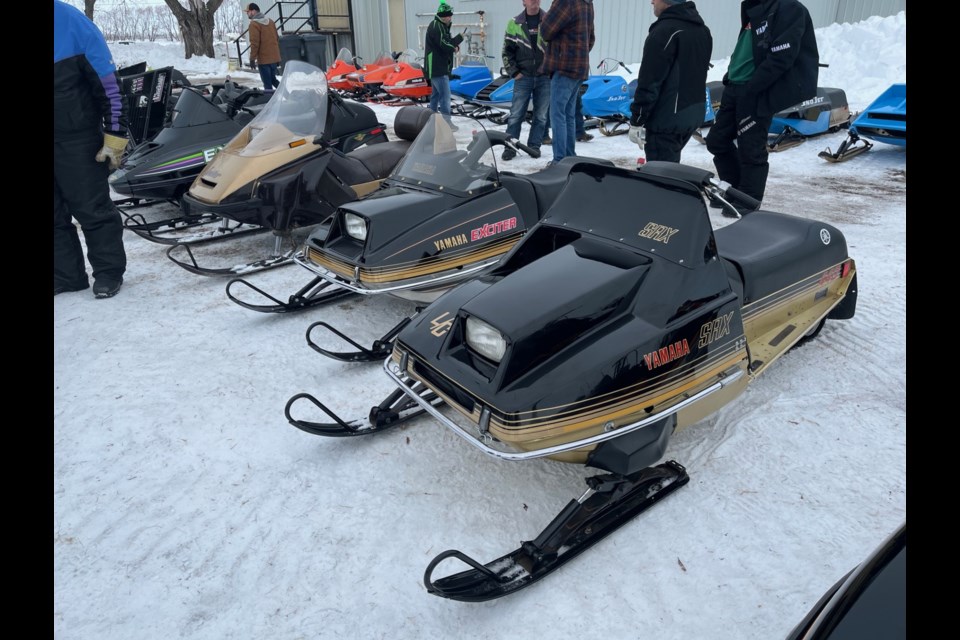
(521, 191)
(774, 250)
(380, 159)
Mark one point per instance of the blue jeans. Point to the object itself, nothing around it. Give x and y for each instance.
(268, 74)
(581, 128)
(440, 94)
(526, 88)
(563, 110)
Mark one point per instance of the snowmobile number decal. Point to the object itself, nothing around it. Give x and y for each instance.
(209, 153)
(658, 232)
(714, 330)
(439, 326)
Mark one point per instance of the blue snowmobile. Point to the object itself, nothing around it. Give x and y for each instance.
(885, 120)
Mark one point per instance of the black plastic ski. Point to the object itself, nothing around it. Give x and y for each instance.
(381, 348)
(396, 408)
(611, 502)
(313, 294)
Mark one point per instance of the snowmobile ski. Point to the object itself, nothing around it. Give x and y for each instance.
(786, 139)
(313, 294)
(853, 146)
(381, 348)
(184, 229)
(395, 409)
(610, 502)
(262, 264)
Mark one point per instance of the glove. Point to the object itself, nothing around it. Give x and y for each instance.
(253, 65)
(112, 150)
(638, 136)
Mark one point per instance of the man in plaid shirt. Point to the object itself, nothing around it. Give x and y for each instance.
(567, 32)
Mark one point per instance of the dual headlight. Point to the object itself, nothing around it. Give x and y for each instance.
(485, 340)
(356, 226)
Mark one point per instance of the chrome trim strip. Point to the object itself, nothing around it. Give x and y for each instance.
(484, 441)
(426, 281)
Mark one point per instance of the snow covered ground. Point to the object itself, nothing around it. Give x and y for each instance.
(186, 506)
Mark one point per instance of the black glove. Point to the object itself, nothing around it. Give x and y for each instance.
(253, 65)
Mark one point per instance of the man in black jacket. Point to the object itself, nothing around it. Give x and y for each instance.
(439, 48)
(668, 105)
(773, 66)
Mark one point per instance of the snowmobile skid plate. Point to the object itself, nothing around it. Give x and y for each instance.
(312, 295)
(381, 348)
(610, 502)
(395, 409)
(236, 270)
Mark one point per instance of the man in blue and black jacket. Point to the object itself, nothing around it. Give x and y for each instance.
(89, 137)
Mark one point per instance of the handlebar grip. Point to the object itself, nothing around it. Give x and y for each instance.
(739, 197)
(527, 150)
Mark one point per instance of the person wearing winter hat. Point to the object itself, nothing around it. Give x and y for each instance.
(439, 49)
(668, 104)
(264, 47)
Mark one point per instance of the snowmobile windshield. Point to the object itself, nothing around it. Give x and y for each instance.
(192, 110)
(296, 114)
(384, 58)
(344, 56)
(451, 154)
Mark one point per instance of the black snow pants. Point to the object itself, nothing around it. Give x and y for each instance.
(666, 146)
(738, 142)
(80, 192)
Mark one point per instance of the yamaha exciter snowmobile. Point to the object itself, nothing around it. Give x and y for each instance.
(600, 334)
(287, 168)
(444, 214)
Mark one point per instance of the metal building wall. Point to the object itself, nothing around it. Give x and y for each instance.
(621, 25)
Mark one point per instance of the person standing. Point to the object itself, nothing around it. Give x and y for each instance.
(89, 138)
(667, 106)
(439, 48)
(264, 47)
(522, 57)
(774, 65)
(568, 33)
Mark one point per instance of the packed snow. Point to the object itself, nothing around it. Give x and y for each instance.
(186, 506)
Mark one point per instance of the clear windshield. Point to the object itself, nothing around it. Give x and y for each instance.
(344, 56)
(383, 59)
(451, 154)
(297, 111)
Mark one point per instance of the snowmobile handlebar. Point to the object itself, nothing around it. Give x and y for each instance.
(500, 137)
(739, 197)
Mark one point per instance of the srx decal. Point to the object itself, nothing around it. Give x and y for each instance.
(658, 232)
(451, 242)
(488, 230)
(439, 326)
(666, 354)
(714, 330)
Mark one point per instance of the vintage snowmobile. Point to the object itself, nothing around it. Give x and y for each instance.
(442, 215)
(366, 81)
(467, 79)
(492, 101)
(406, 84)
(345, 63)
(827, 112)
(290, 166)
(601, 334)
(164, 167)
(885, 120)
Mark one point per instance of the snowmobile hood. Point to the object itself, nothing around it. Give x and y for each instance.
(394, 211)
(565, 294)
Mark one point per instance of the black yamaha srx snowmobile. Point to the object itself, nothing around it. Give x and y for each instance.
(287, 168)
(600, 334)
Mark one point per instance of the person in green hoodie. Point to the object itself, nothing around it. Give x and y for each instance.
(438, 58)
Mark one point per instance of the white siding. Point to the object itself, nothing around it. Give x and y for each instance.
(621, 25)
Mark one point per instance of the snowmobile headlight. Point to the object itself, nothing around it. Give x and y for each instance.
(356, 226)
(485, 340)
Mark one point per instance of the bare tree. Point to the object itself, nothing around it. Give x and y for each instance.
(196, 25)
(88, 8)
